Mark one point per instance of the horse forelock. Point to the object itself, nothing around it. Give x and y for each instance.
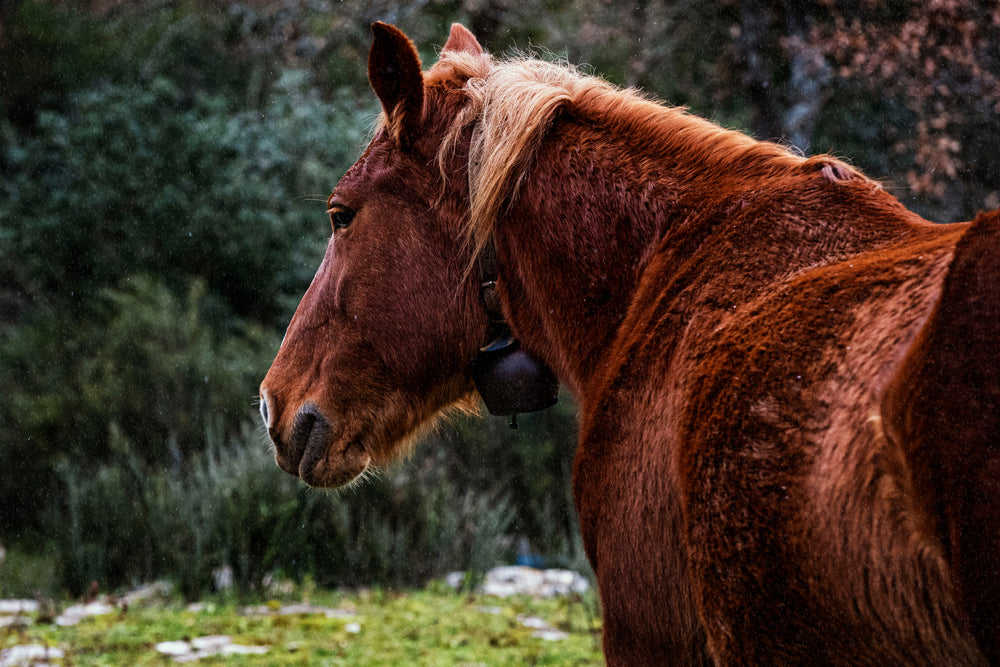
(512, 103)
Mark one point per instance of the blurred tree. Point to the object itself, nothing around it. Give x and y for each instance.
(156, 232)
(941, 60)
(907, 90)
(786, 79)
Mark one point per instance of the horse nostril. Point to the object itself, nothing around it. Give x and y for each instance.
(308, 438)
(265, 411)
(309, 424)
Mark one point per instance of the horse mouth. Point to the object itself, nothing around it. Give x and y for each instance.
(314, 453)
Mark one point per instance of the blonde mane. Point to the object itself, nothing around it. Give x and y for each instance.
(512, 104)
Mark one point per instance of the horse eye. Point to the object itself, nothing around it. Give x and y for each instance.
(341, 217)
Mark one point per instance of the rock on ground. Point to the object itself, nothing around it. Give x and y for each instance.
(29, 654)
(205, 647)
(518, 580)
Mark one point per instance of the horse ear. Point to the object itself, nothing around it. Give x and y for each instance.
(461, 40)
(394, 73)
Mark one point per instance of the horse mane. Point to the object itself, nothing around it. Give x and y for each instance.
(513, 103)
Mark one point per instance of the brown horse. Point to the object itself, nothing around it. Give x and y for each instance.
(788, 384)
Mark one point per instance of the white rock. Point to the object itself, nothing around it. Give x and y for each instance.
(353, 628)
(561, 579)
(259, 610)
(156, 590)
(205, 647)
(518, 580)
(78, 612)
(304, 608)
(499, 590)
(298, 609)
(18, 606)
(542, 629)
(275, 587)
(174, 648)
(29, 654)
(239, 649)
(213, 643)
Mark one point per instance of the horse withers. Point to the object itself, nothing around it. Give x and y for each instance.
(788, 384)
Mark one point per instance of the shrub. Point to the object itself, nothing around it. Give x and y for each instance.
(142, 179)
(230, 506)
(130, 182)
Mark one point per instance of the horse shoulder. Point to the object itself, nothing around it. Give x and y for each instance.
(790, 479)
(628, 497)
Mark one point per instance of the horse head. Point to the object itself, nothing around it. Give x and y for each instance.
(384, 337)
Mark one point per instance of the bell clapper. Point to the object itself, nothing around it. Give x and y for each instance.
(513, 422)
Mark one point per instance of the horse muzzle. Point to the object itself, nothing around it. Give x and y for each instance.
(311, 448)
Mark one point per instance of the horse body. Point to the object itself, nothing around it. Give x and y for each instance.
(756, 341)
(713, 447)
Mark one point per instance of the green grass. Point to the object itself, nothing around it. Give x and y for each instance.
(428, 627)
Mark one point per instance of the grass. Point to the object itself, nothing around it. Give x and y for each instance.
(436, 626)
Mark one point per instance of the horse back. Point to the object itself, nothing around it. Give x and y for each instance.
(943, 407)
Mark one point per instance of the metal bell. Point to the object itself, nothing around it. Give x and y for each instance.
(512, 381)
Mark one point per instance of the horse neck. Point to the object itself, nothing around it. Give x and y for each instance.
(591, 213)
(571, 249)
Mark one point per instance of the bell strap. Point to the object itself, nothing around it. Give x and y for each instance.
(489, 274)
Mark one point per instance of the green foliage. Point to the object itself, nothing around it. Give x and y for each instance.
(154, 239)
(533, 464)
(228, 506)
(160, 216)
(140, 178)
(144, 371)
(134, 181)
(27, 573)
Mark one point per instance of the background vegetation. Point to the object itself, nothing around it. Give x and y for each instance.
(163, 164)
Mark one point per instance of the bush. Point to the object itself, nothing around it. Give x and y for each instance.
(531, 465)
(135, 181)
(145, 369)
(139, 178)
(229, 506)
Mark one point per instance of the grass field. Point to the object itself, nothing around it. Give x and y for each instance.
(436, 626)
